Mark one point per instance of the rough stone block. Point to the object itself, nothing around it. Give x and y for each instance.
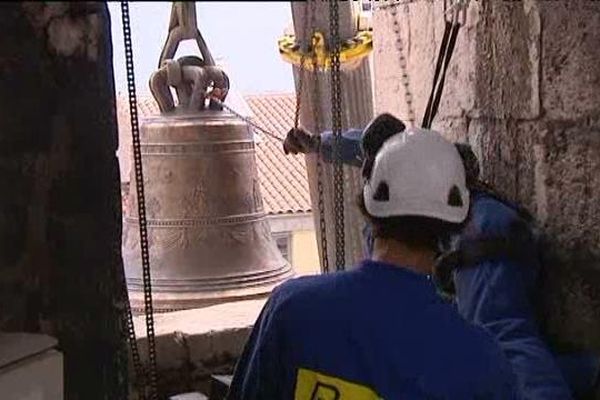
(571, 300)
(200, 336)
(171, 352)
(61, 199)
(526, 191)
(230, 344)
(525, 87)
(454, 129)
(570, 154)
(507, 53)
(571, 76)
(497, 152)
(420, 27)
(495, 67)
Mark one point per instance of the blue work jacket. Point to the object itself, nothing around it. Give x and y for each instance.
(377, 332)
(351, 153)
(498, 296)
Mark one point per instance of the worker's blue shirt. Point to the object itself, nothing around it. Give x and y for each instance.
(376, 332)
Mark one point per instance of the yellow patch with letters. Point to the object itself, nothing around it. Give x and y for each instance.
(311, 385)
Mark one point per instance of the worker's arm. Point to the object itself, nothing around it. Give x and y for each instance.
(352, 142)
(490, 295)
(498, 296)
(300, 141)
(351, 153)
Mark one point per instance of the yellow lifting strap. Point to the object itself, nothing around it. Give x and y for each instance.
(351, 50)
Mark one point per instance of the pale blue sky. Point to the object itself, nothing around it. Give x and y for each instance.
(244, 34)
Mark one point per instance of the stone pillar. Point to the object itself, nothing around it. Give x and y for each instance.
(524, 89)
(60, 213)
(357, 110)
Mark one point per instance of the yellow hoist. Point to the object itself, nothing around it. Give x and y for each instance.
(351, 50)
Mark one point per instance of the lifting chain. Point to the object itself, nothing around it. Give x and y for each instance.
(316, 111)
(403, 64)
(152, 381)
(310, 15)
(336, 125)
(302, 70)
(140, 374)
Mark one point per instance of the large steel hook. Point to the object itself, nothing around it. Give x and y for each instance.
(183, 26)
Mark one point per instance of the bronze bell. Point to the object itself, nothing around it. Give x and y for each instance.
(209, 240)
(208, 235)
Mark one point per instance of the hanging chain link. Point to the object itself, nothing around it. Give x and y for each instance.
(403, 64)
(139, 179)
(336, 125)
(316, 112)
(310, 15)
(457, 11)
(322, 221)
(302, 70)
(140, 373)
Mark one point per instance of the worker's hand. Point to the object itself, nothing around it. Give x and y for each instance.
(300, 141)
(218, 94)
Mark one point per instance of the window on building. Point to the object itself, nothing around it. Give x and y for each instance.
(367, 5)
(283, 241)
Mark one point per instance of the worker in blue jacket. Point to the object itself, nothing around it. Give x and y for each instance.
(381, 331)
(499, 293)
(496, 294)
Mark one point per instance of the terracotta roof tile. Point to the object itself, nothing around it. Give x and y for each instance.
(283, 179)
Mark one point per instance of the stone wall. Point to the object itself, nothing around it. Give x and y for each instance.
(524, 89)
(192, 345)
(60, 213)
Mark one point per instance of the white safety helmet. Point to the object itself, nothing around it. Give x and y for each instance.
(418, 173)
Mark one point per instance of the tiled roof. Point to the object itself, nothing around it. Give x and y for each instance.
(283, 179)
